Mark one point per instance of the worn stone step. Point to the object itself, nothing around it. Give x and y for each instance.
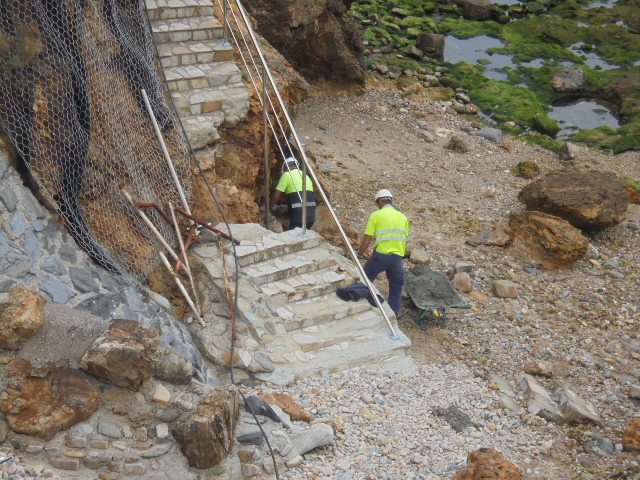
(291, 266)
(194, 52)
(308, 285)
(207, 100)
(202, 129)
(187, 29)
(213, 74)
(378, 349)
(321, 310)
(172, 9)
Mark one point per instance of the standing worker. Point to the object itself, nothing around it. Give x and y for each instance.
(290, 184)
(390, 229)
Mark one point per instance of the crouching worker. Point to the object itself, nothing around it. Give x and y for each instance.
(290, 184)
(390, 229)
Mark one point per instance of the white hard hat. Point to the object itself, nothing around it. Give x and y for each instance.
(287, 161)
(384, 193)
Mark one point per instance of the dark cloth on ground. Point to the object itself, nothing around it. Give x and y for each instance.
(355, 292)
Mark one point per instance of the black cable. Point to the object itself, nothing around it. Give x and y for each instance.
(228, 226)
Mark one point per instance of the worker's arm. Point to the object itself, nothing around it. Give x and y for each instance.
(274, 199)
(364, 245)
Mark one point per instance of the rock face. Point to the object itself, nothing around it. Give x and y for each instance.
(127, 354)
(588, 200)
(568, 79)
(487, 463)
(206, 436)
(431, 44)
(20, 317)
(476, 9)
(326, 227)
(631, 437)
(545, 241)
(41, 401)
(318, 37)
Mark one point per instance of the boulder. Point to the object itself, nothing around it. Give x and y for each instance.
(575, 409)
(128, 354)
(318, 435)
(634, 195)
(318, 37)
(492, 134)
(568, 151)
(431, 44)
(539, 402)
(487, 463)
(568, 79)
(589, 200)
(497, 238)
(534, 367)
(206, 436)
(20, 317)
(328, 230)
(631, 436)
(545, 241)
(504, 289)
(419, 256)
(477, 9)
(41, 401)
(528, 169)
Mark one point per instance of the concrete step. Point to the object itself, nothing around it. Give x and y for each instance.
(172, 9)
(186, 29)
(258, 244)
(321, 310)
(177, 54)
(291, 266)
(308, 285)
(207, 100)
(378, 349)
(205, 75)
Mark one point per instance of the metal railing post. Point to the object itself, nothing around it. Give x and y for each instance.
(304, 199)
(225, 36)
(265, 118)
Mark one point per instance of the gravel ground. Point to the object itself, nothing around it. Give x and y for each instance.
(585, 317)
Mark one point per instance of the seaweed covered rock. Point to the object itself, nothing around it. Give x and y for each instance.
(527, 169)
(589, 200)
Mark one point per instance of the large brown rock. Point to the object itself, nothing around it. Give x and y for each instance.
(41, 401)
(318, 37)
(128, 354)
(631, 436)
(545, 241)
(488, 464)
(20, 317)
(431, 44)
(327, 228)
(476, 9)
(287, 404)
(206, 436)
(589, 200)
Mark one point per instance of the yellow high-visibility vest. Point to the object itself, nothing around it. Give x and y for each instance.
(390, 228)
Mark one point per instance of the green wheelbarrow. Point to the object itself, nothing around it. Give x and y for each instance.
(432, 293)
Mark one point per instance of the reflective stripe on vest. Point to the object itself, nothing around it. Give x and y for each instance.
(381, 235)
(299, 205)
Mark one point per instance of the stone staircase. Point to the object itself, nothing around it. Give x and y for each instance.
(204, 81)
(288, 303)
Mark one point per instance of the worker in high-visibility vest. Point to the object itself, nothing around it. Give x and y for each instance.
(290, 184)
(390, 228)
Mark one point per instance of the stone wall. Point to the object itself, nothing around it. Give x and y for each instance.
(38, 253)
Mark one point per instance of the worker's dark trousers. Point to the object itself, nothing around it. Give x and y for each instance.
(391, 264)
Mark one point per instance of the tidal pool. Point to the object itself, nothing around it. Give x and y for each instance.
(473, 49)
(591, 59)
(582, 114)
(601, 3)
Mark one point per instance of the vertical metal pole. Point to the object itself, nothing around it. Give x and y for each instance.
(304, 199)
(265, 120)
(225, 37)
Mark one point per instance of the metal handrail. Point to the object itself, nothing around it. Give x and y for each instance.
(305, 161)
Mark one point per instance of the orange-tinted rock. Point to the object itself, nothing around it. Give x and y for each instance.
(327, 228)
(496, 238)
(631, 436)
(634, 195)
(545, 241)
(41, 401)
(206, 436)
(488, 464)
(589, 200)
(462, 282)
(504, 289)
(121, 355)
(476, 296)
(287, 404)
(20, 317)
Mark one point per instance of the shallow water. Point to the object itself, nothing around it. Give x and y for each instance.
(601, 3)
(591, 59)
(473, 49)
(582, 114)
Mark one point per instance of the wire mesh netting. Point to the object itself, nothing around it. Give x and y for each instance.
(71, 80)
